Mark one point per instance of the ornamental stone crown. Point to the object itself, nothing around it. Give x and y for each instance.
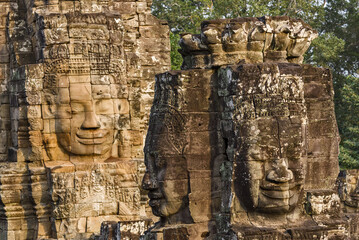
(255, 40)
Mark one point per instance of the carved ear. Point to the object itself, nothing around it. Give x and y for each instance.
(49, 106)
(48, 111)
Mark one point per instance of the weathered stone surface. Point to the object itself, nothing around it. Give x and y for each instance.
(263, 133)
(348, 186)
(255, 40)
(179, 154)
(278, 181)
(241, 144)
(76, 84)
(123, 230)
(269, 126)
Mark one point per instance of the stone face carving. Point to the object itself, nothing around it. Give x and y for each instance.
(232, 152)
(76, 87)
(270, 135)
(166, 177)
(176, 170)
(80, 87)
(348, 186)
(273, 138)
(271, 143)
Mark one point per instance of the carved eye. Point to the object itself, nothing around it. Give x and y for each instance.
(76, 108)
(73, 111)
(158, 159)
(104, 106)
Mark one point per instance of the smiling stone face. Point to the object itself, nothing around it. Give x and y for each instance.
(85, 91)
(269, 169)
(90, 128)
(270, 125)
(82, 111)
(178, 151)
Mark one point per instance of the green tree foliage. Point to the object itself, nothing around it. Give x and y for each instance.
(176, 59)
(341, 21)
(182, 15)
(349, 123)
(325, 49)
(337, 46)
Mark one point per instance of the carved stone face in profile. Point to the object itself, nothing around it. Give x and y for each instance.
(166, 176)
(85, 118)
(269, 161)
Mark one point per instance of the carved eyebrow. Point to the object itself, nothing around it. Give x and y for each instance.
(101, 92)
(101, 95)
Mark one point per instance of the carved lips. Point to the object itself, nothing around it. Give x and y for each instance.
(278, 198)
(278, 192)
(92, 137)
(155, 198)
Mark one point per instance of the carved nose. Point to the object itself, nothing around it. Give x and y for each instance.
(149, 182)
(90, 121)
(280, 172)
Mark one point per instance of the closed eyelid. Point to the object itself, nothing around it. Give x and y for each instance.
(77, 107)
(104, 106)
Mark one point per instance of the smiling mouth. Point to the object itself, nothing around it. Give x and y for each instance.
(278, 194)
(88, 137)
(154, 195)
(274, 191)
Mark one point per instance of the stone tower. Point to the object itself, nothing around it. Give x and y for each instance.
(76, 87)
(259, 127)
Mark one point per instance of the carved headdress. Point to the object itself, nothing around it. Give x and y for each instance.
(97, 51)
(166, 110)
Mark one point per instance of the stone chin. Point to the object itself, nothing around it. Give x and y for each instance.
(161, 207)
(165, 210)
(275, 205)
